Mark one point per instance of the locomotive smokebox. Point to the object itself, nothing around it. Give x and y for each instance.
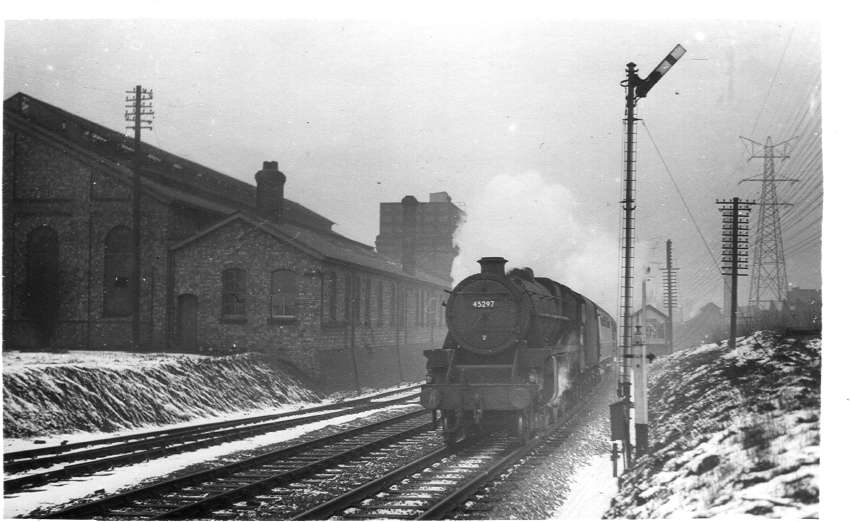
(493, 265)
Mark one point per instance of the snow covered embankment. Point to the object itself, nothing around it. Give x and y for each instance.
(733, 432)
(108, 391)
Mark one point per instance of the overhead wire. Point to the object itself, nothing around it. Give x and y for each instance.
(679, 192)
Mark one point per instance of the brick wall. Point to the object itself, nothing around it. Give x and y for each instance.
(386, 349)
(49, 184)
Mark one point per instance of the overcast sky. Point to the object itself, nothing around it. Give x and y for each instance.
(521, 120)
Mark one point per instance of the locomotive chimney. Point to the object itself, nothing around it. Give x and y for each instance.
(409, 206)
(493, 265)
(270, 183)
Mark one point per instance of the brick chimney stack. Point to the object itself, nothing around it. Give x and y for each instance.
(270, 183)
(409, 206)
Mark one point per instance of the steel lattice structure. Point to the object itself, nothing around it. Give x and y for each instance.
(769, 281)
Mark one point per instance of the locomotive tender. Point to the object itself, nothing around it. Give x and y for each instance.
(519, 349)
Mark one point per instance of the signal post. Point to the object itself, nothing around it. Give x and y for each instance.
(636, 87)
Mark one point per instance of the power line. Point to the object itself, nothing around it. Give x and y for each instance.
(679, 192)
(772, 80)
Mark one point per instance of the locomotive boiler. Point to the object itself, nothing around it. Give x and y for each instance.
(519, 350)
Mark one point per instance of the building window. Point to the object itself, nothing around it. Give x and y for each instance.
(367, 302)
(42, 287)
(347, 298)
(393, 304)
(118, 273)
(283, 294)
(432, 311)
(233, 293)
(420, 308)
(331, 296)
(356, 299)
(380, 304)
(404, 301)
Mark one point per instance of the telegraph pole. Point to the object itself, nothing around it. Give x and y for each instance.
(670, 293)
(636, 88)
(139, 105)
(736, 216)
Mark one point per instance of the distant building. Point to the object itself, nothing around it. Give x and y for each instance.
(706, 326)
(655, 330)
(225, 265)
(420, 235)
(802, 309)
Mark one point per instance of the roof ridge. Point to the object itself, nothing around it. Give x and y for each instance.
(158, 161)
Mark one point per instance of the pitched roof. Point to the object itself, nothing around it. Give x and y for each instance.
(648, 308)
(177, 179)
(333, 247)
(168, 175)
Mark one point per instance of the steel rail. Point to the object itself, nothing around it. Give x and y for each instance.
(145, 451)
(335, 505)
(102, 506)
(14, 456)
(227, 498)
(478, 481)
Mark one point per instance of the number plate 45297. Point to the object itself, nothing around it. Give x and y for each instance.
(491, 303)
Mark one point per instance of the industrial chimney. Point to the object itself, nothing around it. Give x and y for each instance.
(270, 190)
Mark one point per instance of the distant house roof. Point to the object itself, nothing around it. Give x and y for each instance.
(166, 174)
(649, 309)
(709, 307)
(323, 246)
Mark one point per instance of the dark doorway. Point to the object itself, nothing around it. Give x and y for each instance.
(187, 323)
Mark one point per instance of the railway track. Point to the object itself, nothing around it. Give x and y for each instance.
(244, 483)
(91, 456)
(447, 483)
(398, 468)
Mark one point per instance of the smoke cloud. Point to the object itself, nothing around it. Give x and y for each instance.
(536, 223)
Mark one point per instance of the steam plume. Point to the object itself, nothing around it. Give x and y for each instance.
(535, 223)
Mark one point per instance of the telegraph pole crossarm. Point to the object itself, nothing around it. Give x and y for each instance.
(735, 227)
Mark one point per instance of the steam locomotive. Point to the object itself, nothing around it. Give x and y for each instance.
(519, 350)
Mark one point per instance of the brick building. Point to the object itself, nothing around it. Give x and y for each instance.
(422, 231)
(655, 330)
(802, 309)
(224, 264)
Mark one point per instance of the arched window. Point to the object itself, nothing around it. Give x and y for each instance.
(283, 294)
(118, 273)
(42, 283)
(233, 293)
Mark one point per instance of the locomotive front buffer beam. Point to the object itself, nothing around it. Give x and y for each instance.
(478, 397)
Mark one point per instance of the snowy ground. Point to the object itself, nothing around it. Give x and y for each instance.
(734, 431)
(111, 481)
(46, 394)
(53, 397)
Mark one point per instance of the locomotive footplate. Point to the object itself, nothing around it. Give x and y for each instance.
(472, 397)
